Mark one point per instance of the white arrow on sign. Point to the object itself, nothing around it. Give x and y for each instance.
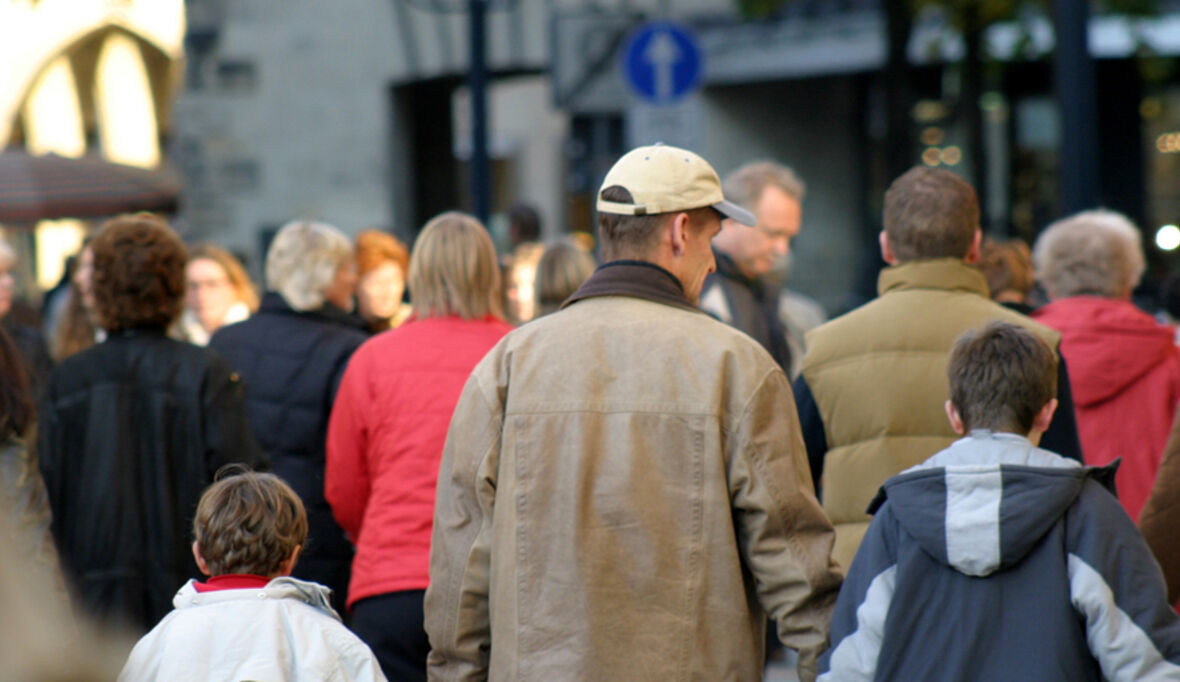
(662, 53)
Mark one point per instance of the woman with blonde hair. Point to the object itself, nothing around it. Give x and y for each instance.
(562, 269)
(292, 353)
(219, 292)
(388, 426)
(381, 265)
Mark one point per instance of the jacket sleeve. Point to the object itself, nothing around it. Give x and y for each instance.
(346, 471)
(858, 624)
(1118, 591)
(785, 537)
(1160, 518)
(228, 438)
(456, 603)
(1062, 434)
(812, 426)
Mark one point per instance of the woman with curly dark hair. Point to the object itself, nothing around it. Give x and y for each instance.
(132, 430)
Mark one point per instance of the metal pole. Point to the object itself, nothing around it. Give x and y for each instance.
(1077, 102)
(477, 84)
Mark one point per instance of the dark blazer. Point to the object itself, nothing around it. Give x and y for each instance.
(130, 433)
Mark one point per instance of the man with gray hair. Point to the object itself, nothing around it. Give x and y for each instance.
(1125, 365)
(623, 493)
(737, 293)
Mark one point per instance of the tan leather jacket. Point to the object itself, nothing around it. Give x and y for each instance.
(623, 492)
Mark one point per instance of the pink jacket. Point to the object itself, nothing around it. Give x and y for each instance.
(385, 440)
(1124, 369)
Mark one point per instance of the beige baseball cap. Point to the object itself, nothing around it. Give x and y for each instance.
(664, 179)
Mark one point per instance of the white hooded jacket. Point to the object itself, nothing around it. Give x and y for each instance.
(284, 631)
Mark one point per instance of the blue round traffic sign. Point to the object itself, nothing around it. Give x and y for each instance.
(662, 62)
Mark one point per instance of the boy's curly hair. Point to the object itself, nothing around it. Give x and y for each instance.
(249, 522)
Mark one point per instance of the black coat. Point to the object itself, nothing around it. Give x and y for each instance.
(131, 432)
(293, 362)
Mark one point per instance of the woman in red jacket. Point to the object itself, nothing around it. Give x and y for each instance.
(1124, 366)
(388, 426)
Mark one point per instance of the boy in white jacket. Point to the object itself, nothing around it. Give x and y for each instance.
(250, 620)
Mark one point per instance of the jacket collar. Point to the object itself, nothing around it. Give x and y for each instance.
(726, 267)
(273, 302)
(947, 274)
(634, 278)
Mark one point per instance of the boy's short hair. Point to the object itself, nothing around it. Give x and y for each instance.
(1001, 375)
(249, 522)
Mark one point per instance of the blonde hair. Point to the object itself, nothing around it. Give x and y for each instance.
(6, 250)
(238, 279)
(562, 269)
(453, 270)
(303, 260)
(249, 523)
(1099, 253)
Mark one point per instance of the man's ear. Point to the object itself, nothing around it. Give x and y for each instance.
(952, 415)
(976, 250)
(678, 233)
(204, 568)
(887, 254)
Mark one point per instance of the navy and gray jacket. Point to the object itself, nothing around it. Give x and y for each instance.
(996, 560)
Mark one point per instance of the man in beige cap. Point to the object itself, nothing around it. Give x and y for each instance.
(624, 492)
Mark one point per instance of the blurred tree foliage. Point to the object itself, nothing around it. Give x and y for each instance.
(970, 19)
(988, 11)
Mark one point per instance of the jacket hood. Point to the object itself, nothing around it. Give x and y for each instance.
(1108, 343)
(286, 587)
(982, 504)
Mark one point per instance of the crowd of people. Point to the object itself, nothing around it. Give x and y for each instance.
(433, 463)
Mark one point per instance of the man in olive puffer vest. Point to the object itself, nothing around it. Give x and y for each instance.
(871, 392)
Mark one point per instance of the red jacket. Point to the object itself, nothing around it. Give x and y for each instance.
(385, 440)
(1124, 369)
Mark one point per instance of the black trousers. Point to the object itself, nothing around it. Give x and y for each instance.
(392, 625)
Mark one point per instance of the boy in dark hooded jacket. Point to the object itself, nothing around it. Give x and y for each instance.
(997, 560)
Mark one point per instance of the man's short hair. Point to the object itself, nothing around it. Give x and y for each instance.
(138, 276)
(626, 236)
(634, 236)
(930, 213)
(249, 522)
(744, 186)
(1097, 253)
(1001, 375)
(524, 223)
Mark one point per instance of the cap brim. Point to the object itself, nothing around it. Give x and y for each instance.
(732, 210)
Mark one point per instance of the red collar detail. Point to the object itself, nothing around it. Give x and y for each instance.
(232, 581)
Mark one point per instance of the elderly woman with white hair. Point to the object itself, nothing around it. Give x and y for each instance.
(292, 354)
(1124, 366)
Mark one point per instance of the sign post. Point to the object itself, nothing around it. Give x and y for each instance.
(662, 64)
